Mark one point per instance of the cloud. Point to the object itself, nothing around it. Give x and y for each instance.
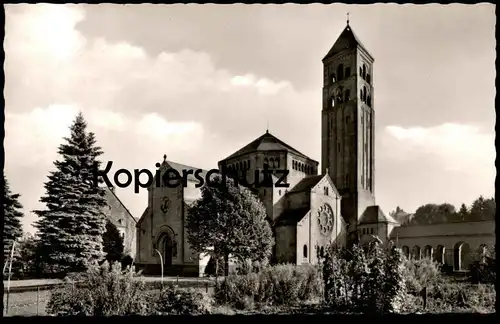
(139, 106)
(189, 104)
(457, 147)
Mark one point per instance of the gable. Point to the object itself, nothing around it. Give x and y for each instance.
(325, 179)
(181, 169)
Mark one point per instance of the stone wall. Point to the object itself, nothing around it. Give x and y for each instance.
(119, 215)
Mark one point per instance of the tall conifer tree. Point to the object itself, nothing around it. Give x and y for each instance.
(72, 225)
(12, 227)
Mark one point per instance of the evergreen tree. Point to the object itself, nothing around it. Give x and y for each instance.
(462, 214)
(12, 228)
(112, 243)
(483, 209)
(72, 225)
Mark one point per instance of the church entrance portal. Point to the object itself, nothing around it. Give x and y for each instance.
(167, 246)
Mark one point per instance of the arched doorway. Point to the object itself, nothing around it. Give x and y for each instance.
(440, 254)
(406, 251)
(166, 245)
(461, 257)
(428, 252)
(416, 252)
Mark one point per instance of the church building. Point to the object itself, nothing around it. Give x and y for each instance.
(334, 204)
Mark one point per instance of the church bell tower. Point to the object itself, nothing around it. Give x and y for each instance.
(347, 121)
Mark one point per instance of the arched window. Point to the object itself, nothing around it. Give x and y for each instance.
(332, 102)
(304, 251)
(347, 72)
(277, 163)
(332, 77)
(361, 95)
(347, 95)
(266, 164)
(369, 101)
(360, 71)
(340, 72)
(271, 163)
(364, 94)
(368, 78)
(364, 72)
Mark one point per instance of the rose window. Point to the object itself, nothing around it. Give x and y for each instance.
(325, 219)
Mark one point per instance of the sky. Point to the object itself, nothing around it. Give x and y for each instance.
(198, 82)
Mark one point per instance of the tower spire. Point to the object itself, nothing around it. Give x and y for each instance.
(347, 19)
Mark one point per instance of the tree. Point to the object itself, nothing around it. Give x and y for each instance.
(112, 242)
(72, 225)
(462, 214)
(483, 209)
(12, 229)
(25, 263)
(229, 220)
(433, 214)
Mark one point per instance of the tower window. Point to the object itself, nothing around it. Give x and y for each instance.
(360, 71)
(361, 95)
(332, 77)
(333, 102)
(369, 101)
(368, 78)
(340, 72)
(347, 72)
(364, 71)
(325, 189)
(304, 251)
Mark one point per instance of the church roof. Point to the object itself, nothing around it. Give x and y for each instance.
(292, 216)
(306, 184)
(346, 40)
(374, 214)
(111, 196)
(266, 142)
(180, 167)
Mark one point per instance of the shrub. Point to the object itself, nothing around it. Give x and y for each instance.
(483, 271)
(102, 290)
(421, 273)
(273, 285)
(175, 301)
(367, 281)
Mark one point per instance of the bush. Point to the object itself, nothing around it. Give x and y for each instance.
(273, 285)
(174, 301)
(421, 273)
(366, 281)
(102, 290)
(483, 271)
(447, 297)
